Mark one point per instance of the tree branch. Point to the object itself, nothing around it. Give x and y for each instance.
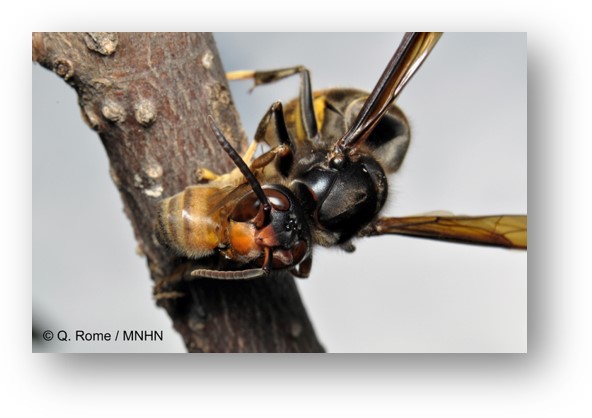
(148, 97)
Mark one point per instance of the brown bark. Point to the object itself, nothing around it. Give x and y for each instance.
(148, 97)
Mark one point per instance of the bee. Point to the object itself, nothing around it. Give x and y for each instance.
(234, 215)
(323, 181)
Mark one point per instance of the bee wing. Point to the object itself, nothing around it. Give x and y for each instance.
(508, 231)
(227, 196)
(413, 50)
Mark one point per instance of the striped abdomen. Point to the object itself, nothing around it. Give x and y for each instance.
(187, 223)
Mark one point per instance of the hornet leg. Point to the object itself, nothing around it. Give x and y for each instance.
(307, 119)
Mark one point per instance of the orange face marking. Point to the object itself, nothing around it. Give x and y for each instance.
(242, 238)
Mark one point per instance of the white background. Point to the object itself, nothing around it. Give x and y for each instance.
(551, 380)
(467, 107)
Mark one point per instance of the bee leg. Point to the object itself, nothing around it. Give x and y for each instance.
(250, 152)
(284, 160)
(307, 123)
(168, 295)
(160, 291)
(302, 270)
(206, 175)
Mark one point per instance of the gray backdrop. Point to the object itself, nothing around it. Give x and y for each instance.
(467, 106)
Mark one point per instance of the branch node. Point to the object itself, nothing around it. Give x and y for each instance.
(207, 59)
(145, 112)
(113, 111)
(64, 68)
(105, 43)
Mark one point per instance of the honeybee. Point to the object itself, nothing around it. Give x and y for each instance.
(234, 215)
(324, 180)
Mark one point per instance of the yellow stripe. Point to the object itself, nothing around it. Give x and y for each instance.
(319, 105)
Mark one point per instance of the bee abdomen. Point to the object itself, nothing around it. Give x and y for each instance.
(186, 224)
